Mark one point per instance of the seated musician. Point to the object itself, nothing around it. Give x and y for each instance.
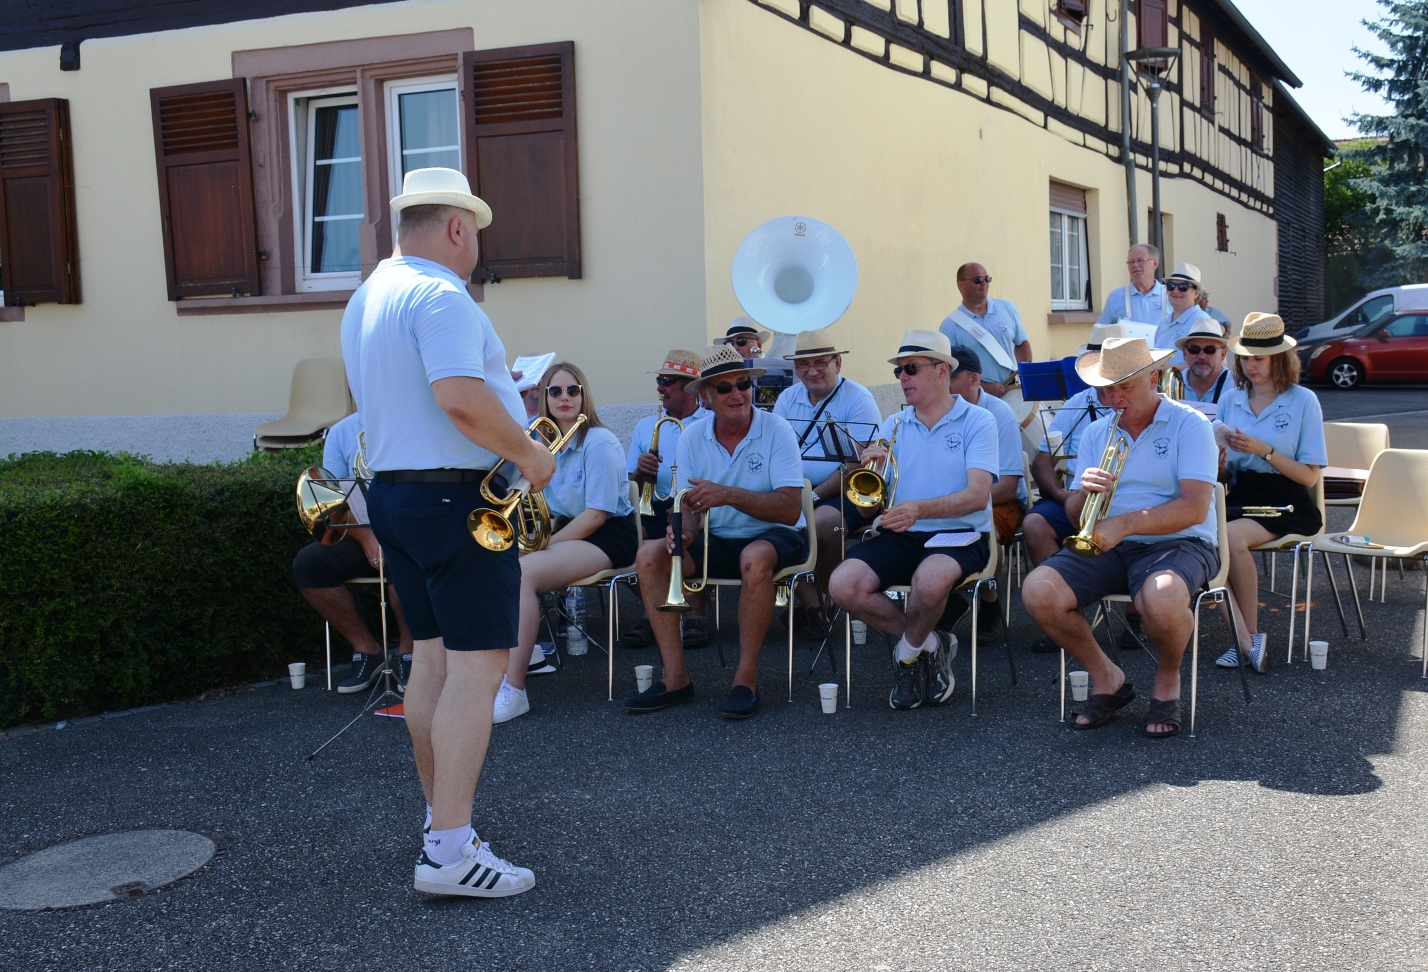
(744, 472)
(1204, 348)
(745, 337)
(1274, 432)
(946, 452)
(823, 395)
(321, 571)
(1183, 290)
(1157, 540)
(644, 466)
(592, 519)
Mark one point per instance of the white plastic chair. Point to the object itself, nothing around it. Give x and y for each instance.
(1352, 447)
(1298, 543)
(319, 399)
(610, 577)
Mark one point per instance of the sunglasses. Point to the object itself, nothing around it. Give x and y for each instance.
(743, 342)
(979, 280)
(743, 384)
(911, 370)
(1182, 287)
(555, 391)
(667, 381)
(1194, 349)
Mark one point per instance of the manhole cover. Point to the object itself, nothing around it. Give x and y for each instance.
(104, 868)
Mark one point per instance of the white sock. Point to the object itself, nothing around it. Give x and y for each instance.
(906, 653)
(426, 824)
(444, 846)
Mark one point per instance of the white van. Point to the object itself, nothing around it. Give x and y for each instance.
(1369, 310)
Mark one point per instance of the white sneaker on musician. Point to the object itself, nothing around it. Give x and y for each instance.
(510, 702)
(478, 874)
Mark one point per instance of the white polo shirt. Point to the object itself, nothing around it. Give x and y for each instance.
(1072, 420)
(412, 323)
(849, 404)
(668, 445)
(340, 446)
(1152, 308)
(1292, 424)
(1008, 441)
(934, 462)
(1178, 444)
(590, 475)
(766, 459)
(1173, 330)
(1003, 321)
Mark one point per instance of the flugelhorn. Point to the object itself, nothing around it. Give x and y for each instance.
(1113, 461)
(1259, 512)
(321, 502)
(1172, 383)
(875, 483)
(493, 529)
(648, 494)
(675, 599)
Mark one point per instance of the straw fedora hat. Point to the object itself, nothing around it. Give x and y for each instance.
(745, 325)
(922, 343)
(680, 364)
(1120, 359)
(718, 361)
(1206, 327)
(1261, 336)
(813, 344)
(441, 187)
(1100, 333)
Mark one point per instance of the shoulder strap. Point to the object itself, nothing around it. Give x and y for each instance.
(819, 411)
(1220, 385)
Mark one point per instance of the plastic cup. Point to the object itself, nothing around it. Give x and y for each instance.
(1319, 655)
(644, 677)
(1080, 685)
(828, 696)
(575, 643)
(860, 633)
(297, 674)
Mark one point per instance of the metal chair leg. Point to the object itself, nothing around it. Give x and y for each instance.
(1063, 684)
(610, 635)
(848, 657)
(792, 600)
(1308, 599)
(1334, 584)
(1354, 586)
(1195, 663)
(328, 628)
(976, 609)
(1425, 625)
(1293, 601)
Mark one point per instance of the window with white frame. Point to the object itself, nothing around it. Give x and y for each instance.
(327, 190)
(423, 126)
(1070, 276)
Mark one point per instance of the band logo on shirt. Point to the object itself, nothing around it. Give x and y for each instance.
(577, 476)
(1281, 421)
(1162, 448)
(755, 462)
(953, 441)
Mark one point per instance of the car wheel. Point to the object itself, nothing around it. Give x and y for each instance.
(1346, 373)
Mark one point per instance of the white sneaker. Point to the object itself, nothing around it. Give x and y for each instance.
(479, 874)
(510, 702)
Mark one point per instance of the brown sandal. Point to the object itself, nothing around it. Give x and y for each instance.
(1101, 708)
(1162, 711)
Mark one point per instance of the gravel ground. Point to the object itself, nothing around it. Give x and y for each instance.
(1288, 834)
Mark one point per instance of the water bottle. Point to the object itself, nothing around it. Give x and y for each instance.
(575, 642)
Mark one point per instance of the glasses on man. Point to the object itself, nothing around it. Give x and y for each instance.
(1183, 286)
(911, 369)
(1206, 349)
(813, 364)
(667, 381)
(1137, 262)
(980, 280)
(555, 391)
(743, 384)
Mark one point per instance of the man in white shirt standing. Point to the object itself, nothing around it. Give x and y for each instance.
(429, 375)
(1144, 301)
(989, 325)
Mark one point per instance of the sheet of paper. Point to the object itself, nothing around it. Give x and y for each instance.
(1136, 329)
(954, 539)
(1208, 409)
(531, 367)
(1222, 433)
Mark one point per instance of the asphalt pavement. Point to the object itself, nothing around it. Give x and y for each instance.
(1288, 834)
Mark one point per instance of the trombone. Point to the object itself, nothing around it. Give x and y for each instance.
(875, 484)
(1113, 461)
(675, 599)
(493, 529)
(648, 495)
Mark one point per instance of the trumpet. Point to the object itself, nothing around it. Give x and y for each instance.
(493, 529)
(1171, 384)
(1260, 512)
(1113, 461)
(875, 484)
(675, 599)
(648, 496)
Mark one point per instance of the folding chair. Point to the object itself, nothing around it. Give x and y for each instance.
(327, 627)
(1352, 448)
(319, 400)
(1217, 589)
(611, 577)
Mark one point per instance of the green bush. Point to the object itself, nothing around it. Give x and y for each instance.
(125, 582)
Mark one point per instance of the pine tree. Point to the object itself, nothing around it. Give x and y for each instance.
(1397, 153)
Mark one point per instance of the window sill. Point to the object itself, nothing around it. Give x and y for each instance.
(12, 314)
(275, 303)
(1072, 317)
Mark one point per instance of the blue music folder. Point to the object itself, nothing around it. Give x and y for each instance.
(1049, 381)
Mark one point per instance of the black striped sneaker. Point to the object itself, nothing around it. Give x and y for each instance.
(479, 874)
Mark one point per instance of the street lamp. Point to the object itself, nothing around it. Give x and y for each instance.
(1155, 62)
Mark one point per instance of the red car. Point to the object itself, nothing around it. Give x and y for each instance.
(1394, 349)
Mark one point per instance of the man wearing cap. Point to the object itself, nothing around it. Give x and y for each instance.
(428, 373)
(743, 469)
(745, 337)
(1009, 495)
(1183, 289)
(823, 396)
(1215, 313)
(989, 324)
(1144, 301)
(946, 452)
(645, 466)
(1204, 350)
(1157, 540)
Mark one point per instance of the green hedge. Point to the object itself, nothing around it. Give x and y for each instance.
(125, 582)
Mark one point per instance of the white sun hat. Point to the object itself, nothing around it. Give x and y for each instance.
(441, 187)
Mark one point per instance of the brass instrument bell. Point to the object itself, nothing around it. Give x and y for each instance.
(321, 501)
(648, 493)
(875, 484)
(494, 529)
(675, 600)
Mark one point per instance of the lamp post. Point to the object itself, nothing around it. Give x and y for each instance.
(1156, 63)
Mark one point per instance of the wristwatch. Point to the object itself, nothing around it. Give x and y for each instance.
(1269, 454)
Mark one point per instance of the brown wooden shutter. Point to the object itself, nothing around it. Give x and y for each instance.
(206, 189)
(519, 122)
(1207, 73)
(1152, 23)
(1068, 199)
(39, 241)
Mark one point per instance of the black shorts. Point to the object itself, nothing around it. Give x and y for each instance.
(1124, 569)
(790, 545)
(1055, 515)
(320, 565)
(617, 539)
(854, 516)
(450, 586)
(895, 557)
(656, 526)
(1275, 489)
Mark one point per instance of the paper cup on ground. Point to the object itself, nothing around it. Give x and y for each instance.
(644, 677)
(860, 633)
(1080, 685)
(297, 673)
(1319, 655)
(828, 696)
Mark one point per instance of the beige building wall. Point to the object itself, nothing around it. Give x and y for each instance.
(125, 350)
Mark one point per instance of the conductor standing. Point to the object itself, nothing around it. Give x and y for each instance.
(429, 375)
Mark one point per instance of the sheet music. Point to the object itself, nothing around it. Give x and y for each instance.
(833, 440)
(954, 539)
(532, 367)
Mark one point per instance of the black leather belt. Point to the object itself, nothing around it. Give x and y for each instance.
(432, 475)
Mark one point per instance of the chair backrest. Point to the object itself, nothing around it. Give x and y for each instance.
(639, 520)
(1354, 445)
(1222, 539)
(808, 522)
(319, 399)
(1031, 491)
(1394, 507)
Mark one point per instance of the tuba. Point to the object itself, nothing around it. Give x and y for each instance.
(1172, 384)
(1113, 460)
(648, 495)
(875, 484)
(794, 274)
(494, 529)
(675, 599)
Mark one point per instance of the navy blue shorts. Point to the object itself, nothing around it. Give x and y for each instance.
(324, 565)
(450, 586)
(895, 557)
(1055, 514)
(724, 552)
(1126, 567)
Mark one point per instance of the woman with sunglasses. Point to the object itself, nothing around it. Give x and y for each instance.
(592, 518)
(1274, 432)
(1183, 289)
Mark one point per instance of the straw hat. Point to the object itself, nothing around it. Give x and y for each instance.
(1261, 336)
(441, 187)
(745, 325)
(1205, 327)
(813, 344)
(680, 364)
(922, 343)
(721, 360)
(1099, 335)
(1120, 359)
